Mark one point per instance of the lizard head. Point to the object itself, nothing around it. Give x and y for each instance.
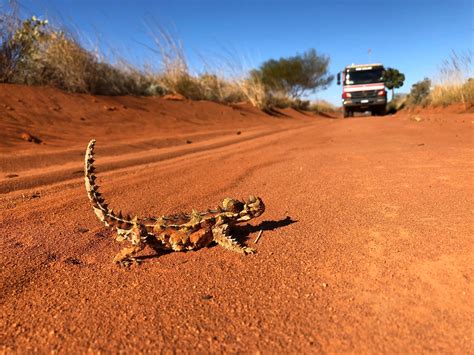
(254, 206)
(245, 210)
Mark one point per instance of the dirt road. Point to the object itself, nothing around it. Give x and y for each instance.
(367, 241)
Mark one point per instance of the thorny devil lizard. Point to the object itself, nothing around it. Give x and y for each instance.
(179, 232)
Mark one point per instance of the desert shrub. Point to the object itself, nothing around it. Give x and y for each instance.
(183, 84)
(219, 89)
(66, 65)
(6, 29)
(106, 79)
(278, 100)
(295, 76)
(419, 93)
(33, 53)
(468, 90)
(19, 45)
(61, 62)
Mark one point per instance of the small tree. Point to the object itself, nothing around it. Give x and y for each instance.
(295, 75)
(393, 79)
(420, 91)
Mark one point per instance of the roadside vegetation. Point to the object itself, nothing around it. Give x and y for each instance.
(286, 80)
(420, 93)
(323, 107)
(452, 85)
(34, 52)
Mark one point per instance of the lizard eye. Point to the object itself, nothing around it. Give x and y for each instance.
(232, 205)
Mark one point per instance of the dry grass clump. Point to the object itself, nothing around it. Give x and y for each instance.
(202, 87)
(175, 76)
(447, 94)
(253, 91)
(322, 106)
(453, 84)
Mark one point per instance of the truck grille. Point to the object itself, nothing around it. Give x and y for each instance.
(363, 94)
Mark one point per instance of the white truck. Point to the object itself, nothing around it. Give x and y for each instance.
(363, 89)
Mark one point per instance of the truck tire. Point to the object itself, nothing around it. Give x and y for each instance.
(379, 111)
(348, 113)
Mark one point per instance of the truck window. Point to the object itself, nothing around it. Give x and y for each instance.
(363, 77)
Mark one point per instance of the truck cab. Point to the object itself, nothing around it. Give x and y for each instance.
(363, 89)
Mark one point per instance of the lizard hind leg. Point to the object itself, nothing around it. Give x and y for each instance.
(221, 235)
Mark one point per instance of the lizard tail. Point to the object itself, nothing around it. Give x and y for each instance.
(101, 209)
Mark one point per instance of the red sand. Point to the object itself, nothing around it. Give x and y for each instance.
(367, 239)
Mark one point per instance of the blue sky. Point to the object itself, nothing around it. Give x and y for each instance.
(414, 36)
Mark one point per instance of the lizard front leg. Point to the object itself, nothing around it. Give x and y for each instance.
(137, 238)
(126, 255)
(221, 235)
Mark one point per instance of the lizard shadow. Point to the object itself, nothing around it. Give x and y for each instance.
(240, 233)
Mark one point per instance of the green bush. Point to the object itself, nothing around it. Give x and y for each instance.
(420, 92)
(468, 90)
(393, 79)
(295, 76)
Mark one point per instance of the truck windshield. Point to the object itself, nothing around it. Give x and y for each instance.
(364, 76)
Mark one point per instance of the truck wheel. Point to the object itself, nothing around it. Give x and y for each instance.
(379, 111)
(347, 113)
